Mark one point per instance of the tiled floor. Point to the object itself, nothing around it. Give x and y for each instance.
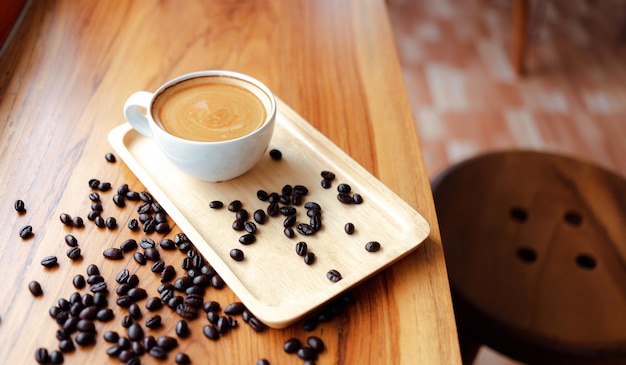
(467, 99)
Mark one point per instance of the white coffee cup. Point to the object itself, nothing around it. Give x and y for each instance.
(200, 139)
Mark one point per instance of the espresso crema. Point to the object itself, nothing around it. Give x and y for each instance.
(210, 109)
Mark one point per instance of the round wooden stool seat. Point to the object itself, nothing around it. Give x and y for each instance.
(535, 245)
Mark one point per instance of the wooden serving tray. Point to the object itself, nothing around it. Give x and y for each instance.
(273, 281)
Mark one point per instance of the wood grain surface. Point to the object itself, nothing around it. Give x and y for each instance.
(64, 80)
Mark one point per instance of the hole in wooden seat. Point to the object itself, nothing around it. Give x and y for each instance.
(573, 217)
(527, 254)
(518, 214)
(585, 261)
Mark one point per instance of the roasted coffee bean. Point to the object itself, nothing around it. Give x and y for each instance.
(292, 345)
(66, 219)
(66, 345)
(296, 199)
(26, 232)
(309, 258)
(97, 207)
(113, 253)
(152, 254)
(128, 245)
(157, 208)
(344, 198)
(123, 190)
(134, 311)
(349, 228)
(185, 247)
(99, 221)
(49, 261)
(78, 222)
(160, 217)
(158, 352)
(213, 317)
(19, 206)
(123, 289)
(262, 362)
(202, 281)
(186, 311)
(75, 298)
(313, 205)
(92, 269)
(78, 281)
(287, 210)
(158, 267)
(372, 246)
(84, 339)
(100, 298)
(216, 204)
(236, 254)
(167, 244)
(305, 229)
(307, 353)
(175, 301)
(153, 322)
(242, 215)
(344, 188)
(133, 225)
(71, 240)
(234, 206)
(273, 198)
(35, 288)
(247, 239)
(127, 321)
(301, 248)
(273, 209)
(119, 200)
(89, 313)
(167, 343)
(162, 228)
(211, 332)
(154, 304)
(328, 175)
(92, 215)
(288, 231)
(111, 336)
(144, 208)
(316, 223)
(42, 356)
(93, 183)
(137, 294)
(150, 226)
(235, 308)
(357, 199)
(87, 300)
(122, 276)
(86, 325)
(182, 329)
(135, 332)
(99, 287)
(132, 196)
(146, 197)
(194, 299)
(105, 315)
(147, 243)
(217, 282)
(326, 184)
(250, 227)
(110, 157)
(182, 359)
(211, 306)
(124, 301)
(222, 325)
(276, 154)
(95, 278)
(149, 342)
(94, 197)
(259, 216)
(63, 334)
(262, 195)
(238, 225)
(284, 199)
(168, 274)
(316, 343)
(74, 253)
(333, 275)
(256, 324)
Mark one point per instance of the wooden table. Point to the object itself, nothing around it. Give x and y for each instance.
(64, 79)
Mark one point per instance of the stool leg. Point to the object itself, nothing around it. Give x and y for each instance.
(520, 33)
(469, 347)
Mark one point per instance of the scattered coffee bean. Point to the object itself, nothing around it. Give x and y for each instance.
(288, 231)
(35, 288)
(247, 239)
(259, 216)
(104, 186)
(328, 175)
(307, 353)
(84, 339)
(158, 267)
(166, 342)
(216, 204)
(74, 253)
(167, 244)
(67, 345)
(94, 196)
(113, 253)
(238, 225)
(349, 228)
(135, 332)
(301, 248)
(92, 215)
(99, 221)
(133, 225)
(292, 345)
(305, 229)
(78, 281)
(26, 232)
(92, 269)
(49, 261)
(154, 304)
(211, 332)
(262, 362)
(182, 359)
(137, 294)
(357, 199)
(309, 258)
(78, 222)
(344, 188)
(99, 287)
(234, 206)
(344, 198)
(372, 246)
(273, 209)
(333, 275)
(316, 343)
(97, 207)
(326, 184)
(276, 154)
(66, 219)
(111, 223)
(182, 329)
(110, 157)
(236, 254)
(127, 321)
(19, 206)
(71, 240)
(42, 356)
(105, 315)
(153, 322)
(250, 227)
(168, 274)
(152, 254)
(134, 310)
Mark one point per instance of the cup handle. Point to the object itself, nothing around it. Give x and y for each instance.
(135, 112)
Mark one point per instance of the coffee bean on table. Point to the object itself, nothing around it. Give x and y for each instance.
(41, 356)
(236, 254)
(307, 353)
(211, 332)
(74, 253)
(154, 304)
(305, 229)
(135, 332)
(128, 245)
(78, 222)
(166, 342)
(153, 322)
(349, 228)
(326, 184)
(216, 204)
(168, 274)
(292, 345)
(99, 221)
(316, 343)
(35, 288)
(113, 253)
(247, 239)
(71, 240)
(133, 225)
(49, 261)
(344, 198)
(19, 206)
(84, 339)
(333, 275)
(275, 154)
(78, 281)
(372, 246)
(344, 188)
(99, 287)
(26, 232)
(152, 254)
(309, 258)
(167, 244)
(105, 315)
(67, 345)
(259, 216)
(66, 219)
(93, 269)
(182, 329)
(301, 248)
(182, 359)
(110, 157)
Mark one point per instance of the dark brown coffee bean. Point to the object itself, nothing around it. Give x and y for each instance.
(122, 276)
(235, 308)
(66, 219)
(147, 243)
(78, 222)
(259, 216)
(123, 190)
(182, 359)
(78, 281)
(100, 298)
(247, 239)
(333, 275)
(92, 215)
(301, 248)
(127, 321)
(152, 254)
(105, 315)
(316, 343)
(328, 175)
(236, 254)
(217, 282)
(42, 356)
(372, 246)
(133, 225)
(238, 225)
(113, 253)
(162, 228)
(128, 245)
(93, 279)
(99, 221)
(307, 353)
(256, 324)
(216, 204)
(86, 325)
(123, 289)
(290, 221)
(211, 306)
(182, 283)
(186, 311)
(175, 301)
(242, 214)
(182, 329)
(344, 198)
(74, 253)
(158, 267)
(19, 206)
(285, 199)
(273, 209)
(66, 345)
(234, 206)
(49, 261)
(153, 322)
(305, 229)
(150, 226)
(89, 313)
(288, 231)
(316, 223)
(262, 195)
(250, 227)
(35, 288)
(71, 240)
(134, 311)
(326, 184)
(110, 157)
(211, 332)
(93, 183)
(149, 342)
(154, 304)
(275, 154)
(137, 294)
(292, 345)
(168, 274)
(99, 287)
(135, 332)
(146, 197)
(357, 199)
(167, 343)
(349, 228)
(85, 339)
(124, 301)
(344, 188)
(132, 196)
(158, 352)
(309, 258)
(287, 210)
(223, 325)
(26, 232)
(92, 269)
(167, 244)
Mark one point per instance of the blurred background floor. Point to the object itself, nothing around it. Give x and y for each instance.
(467, 98)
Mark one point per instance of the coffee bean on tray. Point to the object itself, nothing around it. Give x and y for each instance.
(276, 154)
(333, 275)
(19, 206)
(35, 288)
(26, 232)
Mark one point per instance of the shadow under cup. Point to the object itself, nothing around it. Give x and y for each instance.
(213, 126)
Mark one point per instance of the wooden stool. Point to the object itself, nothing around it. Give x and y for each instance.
(535, 245)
